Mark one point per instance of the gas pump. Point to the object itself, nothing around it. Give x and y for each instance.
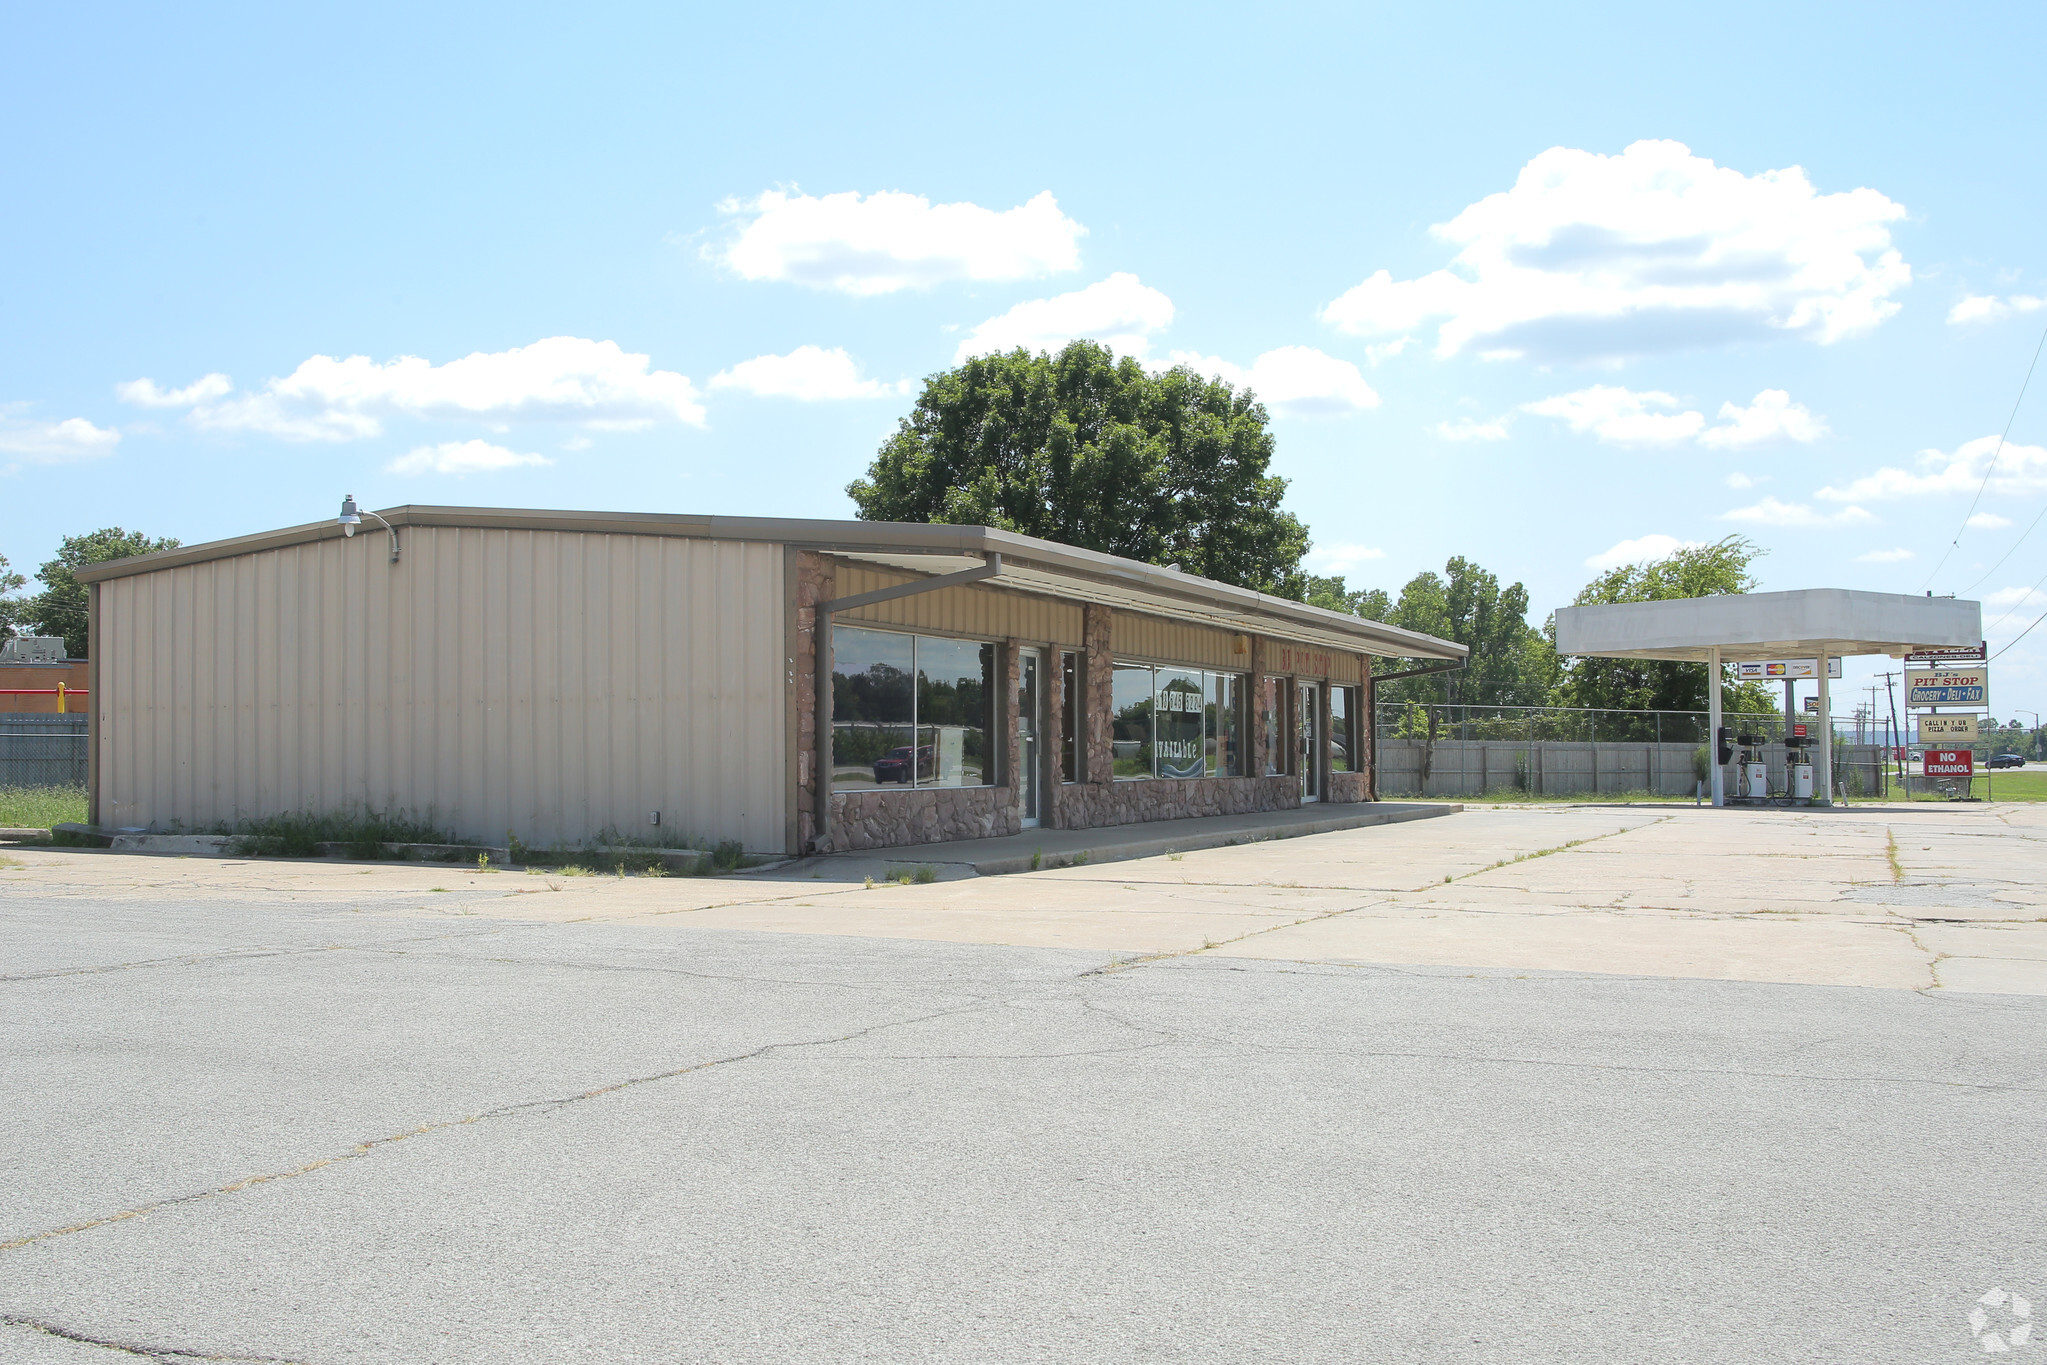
(1754, 782)
(1798, 760)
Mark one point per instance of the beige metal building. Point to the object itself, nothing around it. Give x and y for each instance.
(571, 676)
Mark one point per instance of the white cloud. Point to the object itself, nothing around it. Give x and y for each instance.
(1770, 416)
(807, 374)
(594, 383)
(1119, 311)
(1293, 381)
(1344, 559)
(1771, 512)
(1898, 556)
(1639, 550)
(2011, 597)
(1471, 429)
(1386, 350)
(143, 393)
(884, 242)
(1740, 480)
(1621, 415)
(1988, 521)
(1596, 257)
(462, 457)
(1990, 308)
(73, 438)
(2021, 471)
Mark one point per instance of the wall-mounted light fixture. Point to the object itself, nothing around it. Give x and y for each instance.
(351, 518)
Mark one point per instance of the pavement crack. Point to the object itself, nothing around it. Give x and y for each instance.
(166, 1355)
(551, 1105)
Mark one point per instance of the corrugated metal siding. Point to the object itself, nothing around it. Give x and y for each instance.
(1159, 640)
(987, 613)
(547, 683)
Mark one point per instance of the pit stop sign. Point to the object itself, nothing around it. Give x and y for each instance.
(1950, 762)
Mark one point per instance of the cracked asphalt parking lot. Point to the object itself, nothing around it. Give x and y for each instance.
(1689, 1089)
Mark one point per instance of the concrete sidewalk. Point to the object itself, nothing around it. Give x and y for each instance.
(1045, 848)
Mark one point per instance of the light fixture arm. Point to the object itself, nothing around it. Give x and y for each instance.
(394, 535)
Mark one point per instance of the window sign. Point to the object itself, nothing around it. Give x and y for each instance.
(910, 710)
(1177, 722)
(1178, 714)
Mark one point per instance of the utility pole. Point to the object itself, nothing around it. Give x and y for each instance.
(1894, 723)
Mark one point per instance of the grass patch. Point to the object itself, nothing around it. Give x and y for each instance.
(2009, 784)
(362, 834)
(905, 876)
(6, 862)
(41, 807)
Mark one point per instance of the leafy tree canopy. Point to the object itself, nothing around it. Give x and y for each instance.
(1510, 664)
(1334, 594)
(1660, 685)
(1089, 450)
(61, 607)
(10, 605)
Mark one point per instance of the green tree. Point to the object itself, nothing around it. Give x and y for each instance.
(1656, 684)
(62, 606)
(11, 607)
(1332, 593)
(1511, 663)
(1089, 450)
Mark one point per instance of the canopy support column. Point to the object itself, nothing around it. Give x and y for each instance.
(1826, 792)
(1713, 722)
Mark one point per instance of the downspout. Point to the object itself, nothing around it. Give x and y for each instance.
(821, 660)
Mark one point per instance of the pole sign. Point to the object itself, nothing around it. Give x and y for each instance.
(1777, 670)
(1946, 729)
(1948, 687)
(1949, 654)
(1950, 762)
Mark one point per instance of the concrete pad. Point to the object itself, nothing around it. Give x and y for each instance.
(1810, 952)
(1987, 976)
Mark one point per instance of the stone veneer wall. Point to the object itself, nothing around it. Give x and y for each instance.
(930, 815)
(1091, 804)
(816, 581)
(920, 815)
(1350, 787)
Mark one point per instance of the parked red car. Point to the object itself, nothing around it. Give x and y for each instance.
(894, 766)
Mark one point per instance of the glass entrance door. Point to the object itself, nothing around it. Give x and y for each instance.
(1309, 704)
(1030, 710)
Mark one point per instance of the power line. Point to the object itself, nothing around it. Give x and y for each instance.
(2021, 635)
(1987, 471)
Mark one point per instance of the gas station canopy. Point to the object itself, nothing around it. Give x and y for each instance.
(1807, 623)
(1810, 623)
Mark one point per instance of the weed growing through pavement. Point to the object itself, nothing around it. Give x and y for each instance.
(867, 883)
(1891, 853)
(1080, 859)
(442, 889)
(1037, 859)
(1175, 857)
(11, 862)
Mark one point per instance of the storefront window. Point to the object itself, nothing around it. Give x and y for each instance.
(1130, 728)
(1225, 725)
(1272, 724)
(953, 692)
(1340, 760)
(1177, 722)
(886, 732)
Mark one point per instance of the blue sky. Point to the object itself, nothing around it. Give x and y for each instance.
(1772, 270)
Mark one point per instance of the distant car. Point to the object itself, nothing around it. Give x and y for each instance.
(2006, 761)
(894, 766)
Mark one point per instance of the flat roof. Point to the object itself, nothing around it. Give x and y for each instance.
(1028, 565)
(1802, 624)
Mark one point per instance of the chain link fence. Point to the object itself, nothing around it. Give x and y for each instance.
(41, 750)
